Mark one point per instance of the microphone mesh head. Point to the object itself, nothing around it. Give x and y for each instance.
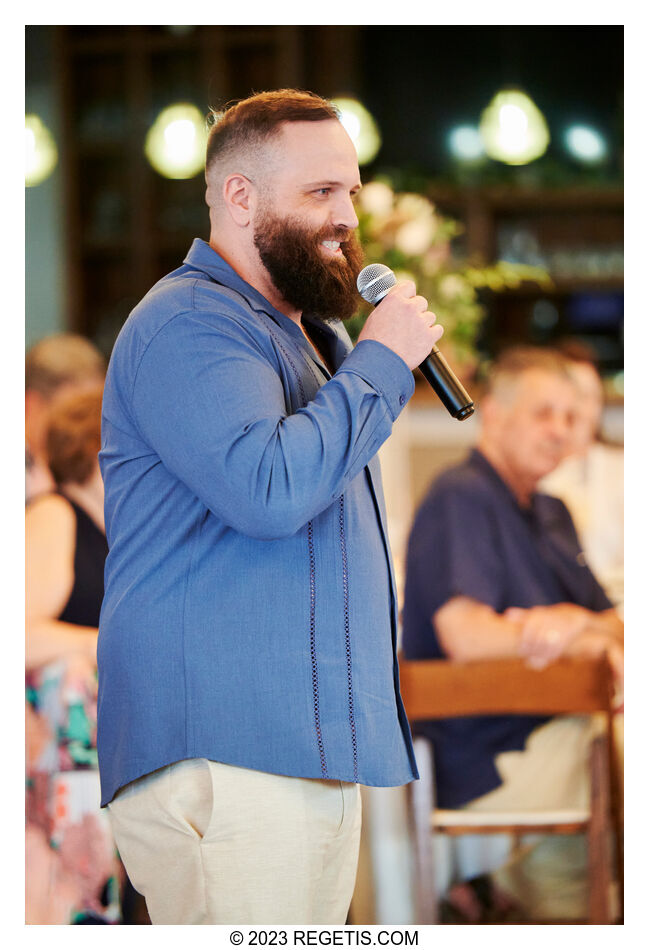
(374, 281)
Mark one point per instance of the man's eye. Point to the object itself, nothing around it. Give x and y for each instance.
(323, 191)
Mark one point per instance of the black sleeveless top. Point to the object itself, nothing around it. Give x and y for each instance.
(91, 549)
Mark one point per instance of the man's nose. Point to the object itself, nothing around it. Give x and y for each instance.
(344, 215)
(561, 427)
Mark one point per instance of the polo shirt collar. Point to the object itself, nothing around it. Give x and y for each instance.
(480, 461)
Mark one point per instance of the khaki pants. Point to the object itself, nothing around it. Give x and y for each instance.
(208, 843)
(547, 873)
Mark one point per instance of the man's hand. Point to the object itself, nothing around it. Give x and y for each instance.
(596, 643)
(547, 632)
(403, 323)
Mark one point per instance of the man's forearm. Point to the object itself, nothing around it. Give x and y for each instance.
(468, 630)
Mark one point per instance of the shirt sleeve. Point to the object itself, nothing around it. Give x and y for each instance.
(452, 552)
(211, 404)
(562, 549)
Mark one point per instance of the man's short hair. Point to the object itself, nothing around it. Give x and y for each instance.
(60, 359)
(253, 121)
(516, 360)
(73, 436)
(577, 351)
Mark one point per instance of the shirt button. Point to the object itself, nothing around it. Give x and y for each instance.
(581, 559)
(402, 399)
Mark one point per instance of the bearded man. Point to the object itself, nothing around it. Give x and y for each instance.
(247, 671)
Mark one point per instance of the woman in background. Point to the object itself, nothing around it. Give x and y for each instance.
(72, 869)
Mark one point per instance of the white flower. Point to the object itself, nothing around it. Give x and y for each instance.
(451, 286)
(415, 237)
(434, 259)
(414, 206)
(404, 275)
(376, 198)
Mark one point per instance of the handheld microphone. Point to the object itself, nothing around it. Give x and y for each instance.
(373, 283)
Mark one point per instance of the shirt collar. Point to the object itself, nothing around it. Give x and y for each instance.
(203, 257)
(480, 461)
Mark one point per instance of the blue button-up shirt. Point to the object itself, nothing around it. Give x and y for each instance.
(471, 538)
(250, 612)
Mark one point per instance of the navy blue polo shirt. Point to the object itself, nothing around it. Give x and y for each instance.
(471, 538)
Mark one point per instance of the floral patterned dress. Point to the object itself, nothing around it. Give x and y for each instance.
(74, 875)
(73, 872)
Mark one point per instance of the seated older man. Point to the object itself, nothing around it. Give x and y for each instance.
(495, 569)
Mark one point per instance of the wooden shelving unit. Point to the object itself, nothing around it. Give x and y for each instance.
(126, 226)
(577, 233)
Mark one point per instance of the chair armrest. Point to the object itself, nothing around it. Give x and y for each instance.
(438, 689)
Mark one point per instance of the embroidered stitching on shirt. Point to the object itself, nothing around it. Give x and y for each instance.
(312, 589)
(348, 645)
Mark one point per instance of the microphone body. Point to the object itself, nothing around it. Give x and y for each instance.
(373, 283)
(448, 387)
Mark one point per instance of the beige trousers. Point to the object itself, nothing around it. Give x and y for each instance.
(550, 772)
(208, 843)
(546, 873)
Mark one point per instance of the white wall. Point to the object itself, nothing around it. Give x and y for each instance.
(45, 291)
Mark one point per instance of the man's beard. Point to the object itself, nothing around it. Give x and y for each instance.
(299, 270)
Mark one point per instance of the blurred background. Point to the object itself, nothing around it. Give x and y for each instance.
(517, 234)
(524, 209)
(492, 158)
(105, 225)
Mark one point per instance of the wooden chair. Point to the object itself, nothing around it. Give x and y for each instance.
(439, 689)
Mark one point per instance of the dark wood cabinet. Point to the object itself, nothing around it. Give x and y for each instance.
(126, 225)
(576, 234)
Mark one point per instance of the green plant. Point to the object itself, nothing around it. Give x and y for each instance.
(407, 232)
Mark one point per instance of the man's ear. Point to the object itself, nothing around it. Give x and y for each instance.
(35, 403)
(239, 198)
(490, 409)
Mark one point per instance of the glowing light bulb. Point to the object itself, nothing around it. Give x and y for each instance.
(176, 142)
(513, 129)
(586, 143)
(513, 124)
(465, 143)
(180, 137)
(361, 128)
(352, 124)
(41, 154)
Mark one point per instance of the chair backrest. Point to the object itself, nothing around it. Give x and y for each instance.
(438, 689)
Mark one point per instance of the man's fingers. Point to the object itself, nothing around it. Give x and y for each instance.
(515, 613)
(403, 322)
(406, 288)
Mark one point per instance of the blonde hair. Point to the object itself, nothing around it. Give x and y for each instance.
(60, 359)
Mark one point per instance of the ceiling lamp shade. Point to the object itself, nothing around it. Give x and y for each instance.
(176, 142)
(41, 154)
(361, 128)
(513, 129)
